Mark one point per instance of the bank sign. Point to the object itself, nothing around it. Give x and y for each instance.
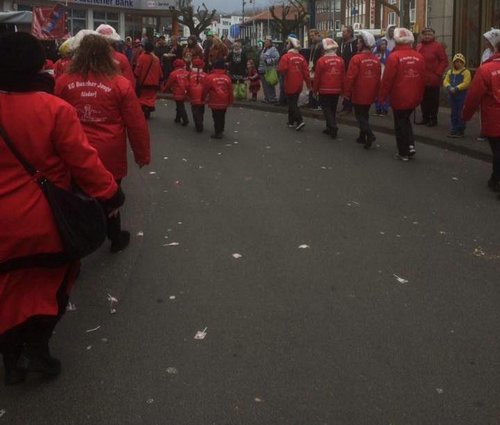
(129, 4)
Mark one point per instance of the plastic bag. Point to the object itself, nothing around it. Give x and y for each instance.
(303, 97)
(271, 77)
(240, 91)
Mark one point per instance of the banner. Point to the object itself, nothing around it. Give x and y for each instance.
(49, 23)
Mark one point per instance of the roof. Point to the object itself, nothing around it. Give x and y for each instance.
(266, 15)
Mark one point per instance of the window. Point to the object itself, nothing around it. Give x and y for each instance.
(391, 18)
(110, 18)
(413, 16)
(392, 1)
(77, 20)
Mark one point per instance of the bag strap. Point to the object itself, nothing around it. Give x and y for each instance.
(27, 166)
(147, 72)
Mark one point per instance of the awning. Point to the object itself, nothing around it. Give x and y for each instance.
(16, 18)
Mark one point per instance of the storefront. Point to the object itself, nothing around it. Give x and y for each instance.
(472, 19)
(129, 17)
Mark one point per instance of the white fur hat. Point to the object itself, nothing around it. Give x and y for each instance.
(294, 41)
(403, 36)
(368, 38)
(329, 44)
(493, 36)
(107, 31)
(77, 39)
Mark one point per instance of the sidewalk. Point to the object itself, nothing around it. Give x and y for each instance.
(435, 136)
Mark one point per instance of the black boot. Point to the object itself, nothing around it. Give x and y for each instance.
(37, 358)
(120, 241)
(13, 374)
(333, 132)
(370, 138)
(362, 138)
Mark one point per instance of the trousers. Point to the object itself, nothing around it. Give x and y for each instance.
(495, 151)
(329, 103)
(430, 103)
(361, 113)
(198, 111)
(294, 115)
(219, 116)
(403, 130)
(180, 112)
(457, 103)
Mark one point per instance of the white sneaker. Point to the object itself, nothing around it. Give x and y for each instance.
(300, 126)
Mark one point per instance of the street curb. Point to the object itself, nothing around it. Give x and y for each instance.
(351, 122)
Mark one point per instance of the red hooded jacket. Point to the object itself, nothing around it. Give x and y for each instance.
(296, 71)
(436, 62)
(485, 92)
(109, 112)
(148, 70)
(49, 135)
(362, 81)
(61, 66)
(219, 89)
(124, 65)
(177, 82)
(403, 81)
(329, 75)
(195, 87)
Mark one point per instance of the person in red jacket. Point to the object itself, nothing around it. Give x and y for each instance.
(436, 62)
(328, 83)
(63, 63)
(218, 90)
(148, 72)
(362, 84)
(484, 92)
(35, 281)
(403, 84)
(109, 112)
(295, 70)
(195, 92)
(177, 82)
(110, 34)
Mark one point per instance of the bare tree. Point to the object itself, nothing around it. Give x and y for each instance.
(294, 9)
(403, 11)
(196, 20)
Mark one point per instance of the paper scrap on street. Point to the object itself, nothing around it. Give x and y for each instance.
(455, 178)
(152, 172)
(172, 371)
(172, 297)
(258, 400)
(89, 347)
(71, 307)
(171, 244)
(439, 390)
(2, 412)
(150, 400)
(112, 303)
(236, 255)
(141, 233)
(400, 279)
(201, 334)
(304, 246)
(93, 329)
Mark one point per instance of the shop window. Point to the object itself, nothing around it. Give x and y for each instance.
(77, 20)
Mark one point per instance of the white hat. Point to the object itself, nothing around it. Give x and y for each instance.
(107, 31)
(368, 38)
(77, 39)
(294, 41)
(329, 44)
(403, 36)
(493, 36)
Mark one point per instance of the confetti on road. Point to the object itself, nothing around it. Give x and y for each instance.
(165, 157)
(150, 400)
(2, 412)
(171, 297)
(152, 172)
(400, 279)
(89, 347)
(442, 233)
(415, 222)
(172, 371)
(140, 234)
(479, 252)
(439, 390)
(71, 307)
(304, 246)
(258, 400)
(201, 334)
(93, 329)
(112, 302)
(171, 244)
(236, 255)
(455, 178)
(382, 233)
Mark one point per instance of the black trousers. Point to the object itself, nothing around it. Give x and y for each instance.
(198, 111)
(180, 112)
(495, 150)
(36, 331)
(361, 113)
(403, 130)
(329, 103)
(219, 116)
(294, 115)
(114, 223)
(430, 103)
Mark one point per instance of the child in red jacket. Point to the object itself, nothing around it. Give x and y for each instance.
(177, 82)
(254, 78)
(195, 93)
(219, 91)
(362, 85)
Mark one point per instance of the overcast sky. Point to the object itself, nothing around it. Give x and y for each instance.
(229, 6)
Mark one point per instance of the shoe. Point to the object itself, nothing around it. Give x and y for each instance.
(459, 135)
(369, 141)
(300, 126)
(185, 123)
(494, 185)
(333, 132)
(423, 122)
(177, 120)
(290, 125)
(411, 151)
(199, 129)
(404, 158)
(361, 138)
(451, 135)
(120, 242)
(13, 374)
(37, 358)
(216, 136)
(326, 131)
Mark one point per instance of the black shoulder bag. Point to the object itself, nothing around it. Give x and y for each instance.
(80, 219)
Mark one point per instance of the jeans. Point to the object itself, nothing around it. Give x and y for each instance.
(495, 150)
(361, 113)
(329, 104)
(269, 91)
(403, 130)
(457, 103)
(294, 115)
(198, 111)
(219, 116)
(430, 104)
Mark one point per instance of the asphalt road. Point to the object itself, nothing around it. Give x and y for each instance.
(388, 314)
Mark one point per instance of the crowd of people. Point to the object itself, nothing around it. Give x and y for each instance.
(102, 92)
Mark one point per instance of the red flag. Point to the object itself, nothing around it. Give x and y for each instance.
(49, 23)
